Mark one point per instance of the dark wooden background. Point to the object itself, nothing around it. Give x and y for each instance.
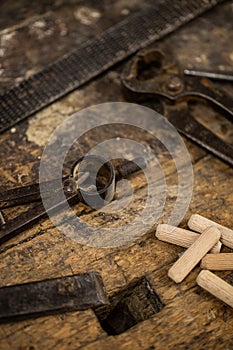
(33, 34)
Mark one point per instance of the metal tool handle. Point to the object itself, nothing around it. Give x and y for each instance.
(167, 86)
(195, 131)
(68, 293)
(31, 216)
(204, 89)
(28, 193)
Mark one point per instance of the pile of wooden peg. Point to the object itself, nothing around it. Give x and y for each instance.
(208, 237)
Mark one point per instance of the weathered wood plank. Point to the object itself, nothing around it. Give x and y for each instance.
(191, 318)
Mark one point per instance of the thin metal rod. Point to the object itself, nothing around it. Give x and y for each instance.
(212, 75)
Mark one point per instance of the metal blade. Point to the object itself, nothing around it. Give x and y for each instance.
(96, 56)
(77, 292)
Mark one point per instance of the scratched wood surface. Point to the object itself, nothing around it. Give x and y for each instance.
(32, 36)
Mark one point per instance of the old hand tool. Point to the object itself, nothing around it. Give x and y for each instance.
(168, 84)
(96, 56)
(69, 293)
(81, 183)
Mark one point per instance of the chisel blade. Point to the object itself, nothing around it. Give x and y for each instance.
(69, 293)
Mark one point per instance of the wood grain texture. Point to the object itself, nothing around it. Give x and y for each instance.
(191, 318)
(222, 262)
(200, 223)
(216, 286)
(192, 256)
(181, 237)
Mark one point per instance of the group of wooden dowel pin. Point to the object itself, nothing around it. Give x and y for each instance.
(209, 238)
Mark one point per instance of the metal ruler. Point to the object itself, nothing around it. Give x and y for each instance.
(96, 56)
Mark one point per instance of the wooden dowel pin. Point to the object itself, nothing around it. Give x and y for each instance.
(223, 261)
(180, 236)
(191, 257)
(216, 286)
(200, 223)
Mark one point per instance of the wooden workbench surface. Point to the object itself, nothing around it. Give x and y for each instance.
(32, 36)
